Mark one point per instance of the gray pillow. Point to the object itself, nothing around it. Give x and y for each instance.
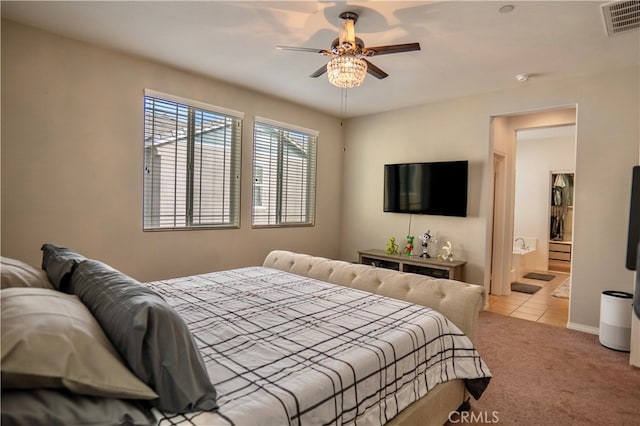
(48, 407)
(149, 334)
(59, 263)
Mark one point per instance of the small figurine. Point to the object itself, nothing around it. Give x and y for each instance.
(392, 247)
(448, 253)
(408, 248)
(425, 238)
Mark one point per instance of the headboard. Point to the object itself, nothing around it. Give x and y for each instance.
(458, 301)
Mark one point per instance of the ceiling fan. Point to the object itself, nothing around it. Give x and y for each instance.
(348, 65)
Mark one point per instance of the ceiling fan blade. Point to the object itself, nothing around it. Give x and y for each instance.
(304, 49)
(375, 71)
(319, 71)
(393, 48)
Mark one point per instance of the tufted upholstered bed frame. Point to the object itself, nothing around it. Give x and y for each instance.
(458, 301)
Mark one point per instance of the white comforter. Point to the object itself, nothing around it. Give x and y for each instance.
(285, 349)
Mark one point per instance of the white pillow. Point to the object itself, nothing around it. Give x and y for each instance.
(19, 274)
(51, 340)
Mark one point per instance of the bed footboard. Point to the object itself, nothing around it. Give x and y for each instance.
(458, 301)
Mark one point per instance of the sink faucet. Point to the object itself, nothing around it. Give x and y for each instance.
(523, 245)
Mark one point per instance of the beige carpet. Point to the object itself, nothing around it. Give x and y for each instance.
(545, 375)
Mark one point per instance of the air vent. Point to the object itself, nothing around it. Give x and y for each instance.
(621, 16)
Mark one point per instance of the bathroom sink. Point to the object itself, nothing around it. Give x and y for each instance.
(520, 250)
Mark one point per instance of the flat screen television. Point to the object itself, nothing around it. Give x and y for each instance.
(436, 188)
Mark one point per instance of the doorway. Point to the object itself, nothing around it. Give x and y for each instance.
(528, 145)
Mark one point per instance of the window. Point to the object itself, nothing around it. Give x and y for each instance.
(257, 186)
(191, 164)
(284, 174)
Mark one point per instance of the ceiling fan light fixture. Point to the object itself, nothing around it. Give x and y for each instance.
(347, 71)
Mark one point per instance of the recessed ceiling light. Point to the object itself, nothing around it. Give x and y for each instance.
(506, 8)
(522, 77)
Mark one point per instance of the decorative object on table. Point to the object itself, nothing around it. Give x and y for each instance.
(448, 252)
(408, 248)
(426, 238)
(392, 247)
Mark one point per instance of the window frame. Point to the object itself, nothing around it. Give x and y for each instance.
(276, 218)
(232, 182)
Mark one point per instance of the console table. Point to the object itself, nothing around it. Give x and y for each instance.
(453, 270)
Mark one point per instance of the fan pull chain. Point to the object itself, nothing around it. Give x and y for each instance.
(343, 104)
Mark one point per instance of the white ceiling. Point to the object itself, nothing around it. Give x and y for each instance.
(467, 47)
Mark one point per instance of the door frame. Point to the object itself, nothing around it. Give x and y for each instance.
(497, 276)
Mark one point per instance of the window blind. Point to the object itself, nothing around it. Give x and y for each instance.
(284, 175)
(191, 166)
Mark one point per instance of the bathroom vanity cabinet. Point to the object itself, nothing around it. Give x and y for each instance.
(560, 256)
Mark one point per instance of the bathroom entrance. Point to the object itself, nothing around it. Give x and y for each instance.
(543, 199)
(531, 253)
(543, 212)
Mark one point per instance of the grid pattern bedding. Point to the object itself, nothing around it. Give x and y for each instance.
(285, 349)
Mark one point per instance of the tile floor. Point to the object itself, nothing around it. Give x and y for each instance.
(540, 307)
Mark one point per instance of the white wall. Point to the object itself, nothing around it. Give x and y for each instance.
(72, 154)
(608, 144)
(405, 136)
(538, 153)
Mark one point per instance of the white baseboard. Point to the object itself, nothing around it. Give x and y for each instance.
(634, 356)
(583, 328)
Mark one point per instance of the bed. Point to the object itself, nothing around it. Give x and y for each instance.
(298, 340)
